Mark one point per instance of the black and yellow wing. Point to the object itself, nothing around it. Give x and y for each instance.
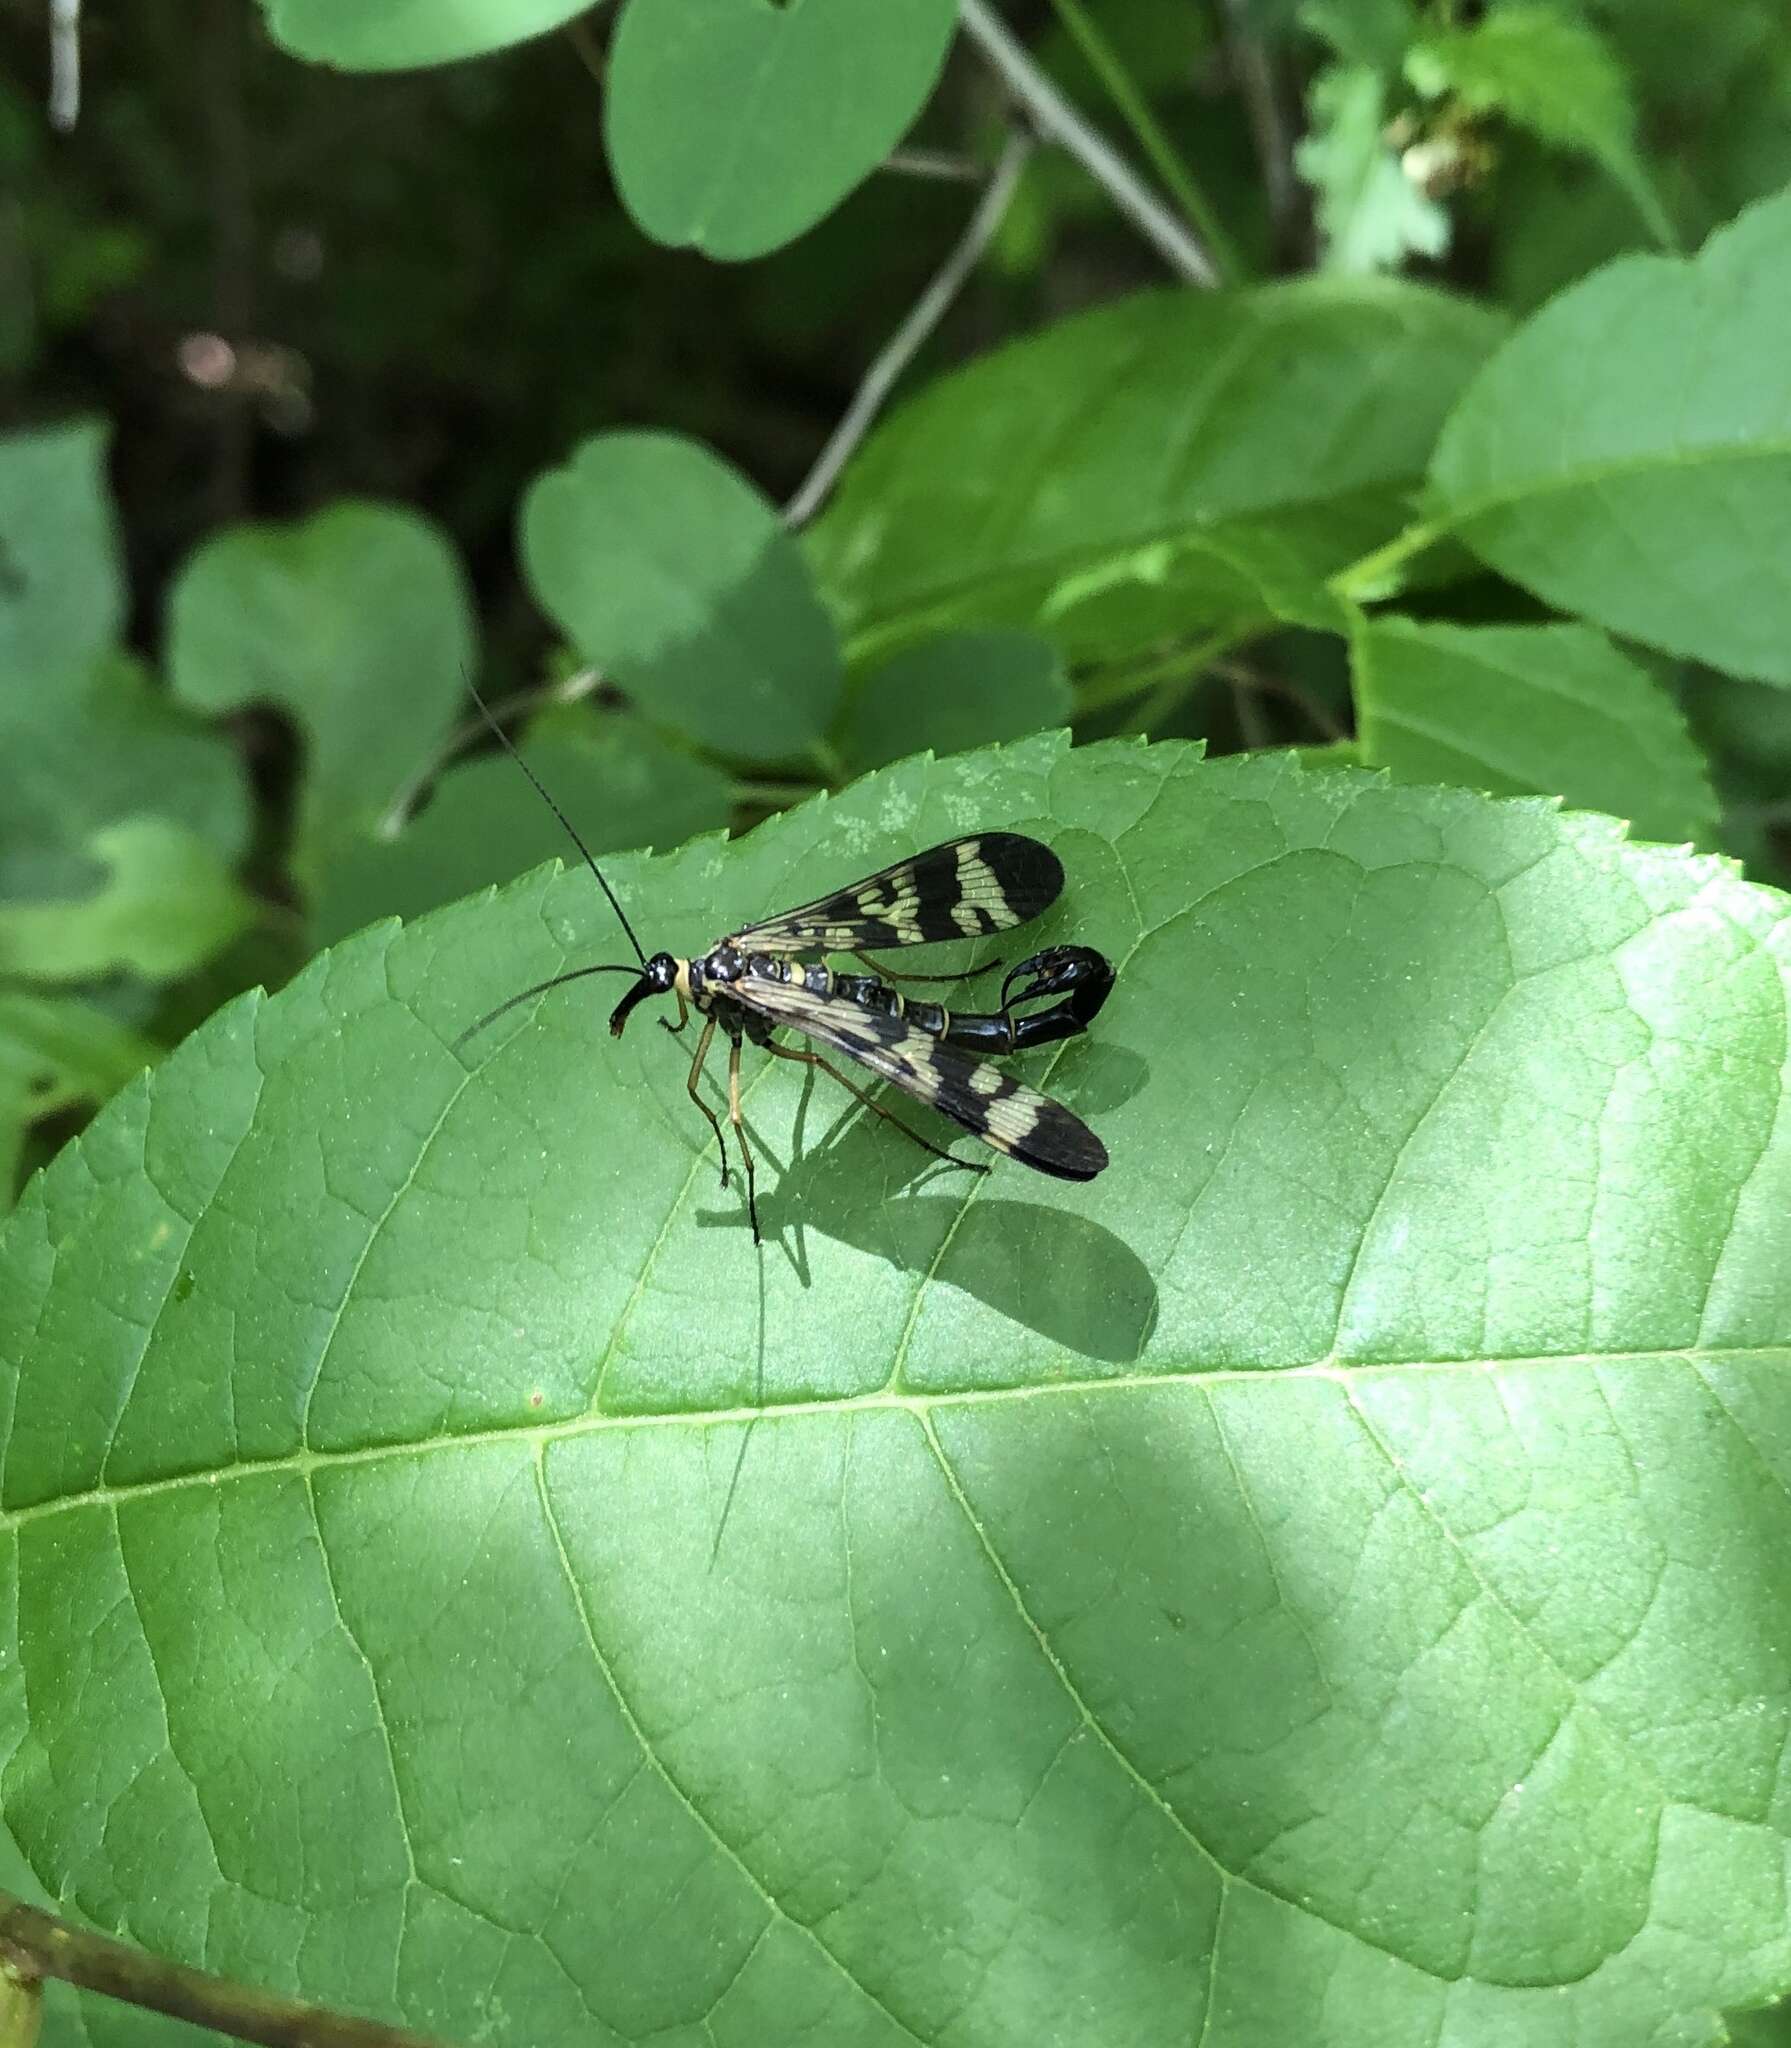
(961, 890)
(990, 1104)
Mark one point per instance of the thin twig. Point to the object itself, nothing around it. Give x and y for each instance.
(1252, 726)
(923, 316)
(1268, 122)
(65, 64)
(404, 800)
(583, 39)
(1119, 684)
(1135, 110)
(1317, 712)
(221, 86)
(932, 163)
(35, 1944)
(1059, 122)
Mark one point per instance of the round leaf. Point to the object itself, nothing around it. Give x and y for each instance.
(61, 578)
(669, 571)
(1512, 709)
(1626, 454)
(397, 34)
(357, 623)
(734, 126)
(1320, 1581)
(87, 747)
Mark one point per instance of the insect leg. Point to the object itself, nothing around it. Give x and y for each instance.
(734, 1117)
(814, 1059)
(683, 1017)
(696, 1074)
(889, 974)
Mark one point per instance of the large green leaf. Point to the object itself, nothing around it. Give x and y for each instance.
(619, 782)
(86, 747)
(398, 34)
(1627, 454)
(1513, 709)
(1320, 1582)
(1176, 461)
(357, 623)
(667, 569)
(734, 126)
(61, 578)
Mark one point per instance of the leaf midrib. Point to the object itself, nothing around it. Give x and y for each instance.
(1456, 513)
(1210, 534)
(540, 1435)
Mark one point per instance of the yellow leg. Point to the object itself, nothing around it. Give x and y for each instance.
(696, 1074)
(814, 1059)
(735, 1118)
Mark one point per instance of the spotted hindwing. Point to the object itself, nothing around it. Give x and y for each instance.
(990, 1104)
(961, 890)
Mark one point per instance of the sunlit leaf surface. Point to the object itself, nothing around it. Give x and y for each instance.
(1321, 1580)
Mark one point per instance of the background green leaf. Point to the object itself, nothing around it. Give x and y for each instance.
(56, 1052)
(617, 780)
(400, 33)
(734, 126)
(960, 691)
(61, 580)
(86, 747)
(1320, 1581)
(166, 906)
(1627, 454)
(1767, 2027)
(1512, 709)
(1227, 451)
(357, 624)
(670, 572)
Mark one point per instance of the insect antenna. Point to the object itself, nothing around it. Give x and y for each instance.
(541, 790)
(540, 988)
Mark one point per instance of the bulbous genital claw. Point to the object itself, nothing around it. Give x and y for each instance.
(1078, 973)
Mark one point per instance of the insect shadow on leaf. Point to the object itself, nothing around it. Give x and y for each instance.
(774, 976)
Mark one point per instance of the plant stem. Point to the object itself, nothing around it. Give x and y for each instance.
(21, 2008)
(1268, 124)
(1251, 724)
(1059, 122)
(902, 346)
(568, 691)
(65, 64)
(932, 163)
(38, 1945)
(1318, 714)
(1181, 666)
(1369, 576)
(583, 39)
(1104, 62)
(770, 796)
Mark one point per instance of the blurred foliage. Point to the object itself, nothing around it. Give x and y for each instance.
(335, 380)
